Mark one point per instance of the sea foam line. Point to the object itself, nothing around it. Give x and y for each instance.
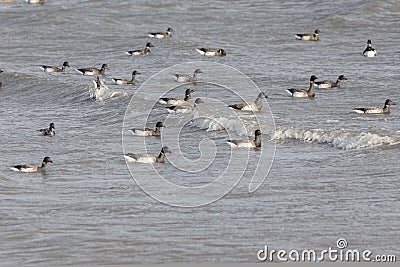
(337, 138)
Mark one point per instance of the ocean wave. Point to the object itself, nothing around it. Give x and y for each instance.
(337, 138)
(242, 126)
(219, 124)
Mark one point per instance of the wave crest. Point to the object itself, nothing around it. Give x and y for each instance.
(337, 138)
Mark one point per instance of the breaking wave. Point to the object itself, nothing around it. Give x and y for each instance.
(337, 138)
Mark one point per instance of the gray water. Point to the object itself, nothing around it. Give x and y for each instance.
(334, 175)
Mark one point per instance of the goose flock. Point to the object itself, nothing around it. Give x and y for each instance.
(178, 105)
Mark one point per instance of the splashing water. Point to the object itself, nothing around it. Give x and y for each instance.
(337, 138)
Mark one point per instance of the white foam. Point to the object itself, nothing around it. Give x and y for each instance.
(337, 138)
(103, 92)
(240, 126)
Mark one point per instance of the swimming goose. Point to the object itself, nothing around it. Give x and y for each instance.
(247, 143)
(183, 78)
(329, 84)
(32, 167)
(94, 71)
(123, 81)
(48, 131)
(148, 131)
(144, 51)
(308, 36)
(369, 51)
(176, 101)
(376, 110)
(251, 106)
(55, 69)
(160, 35)
(302, 92)
(146, 158)
(211, 52)
(184, 108)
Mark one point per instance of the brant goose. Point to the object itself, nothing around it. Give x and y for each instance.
(146, 158)
(302, 92)
(376, 110)
(32, 167)
(251, 106)
(247, 143)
